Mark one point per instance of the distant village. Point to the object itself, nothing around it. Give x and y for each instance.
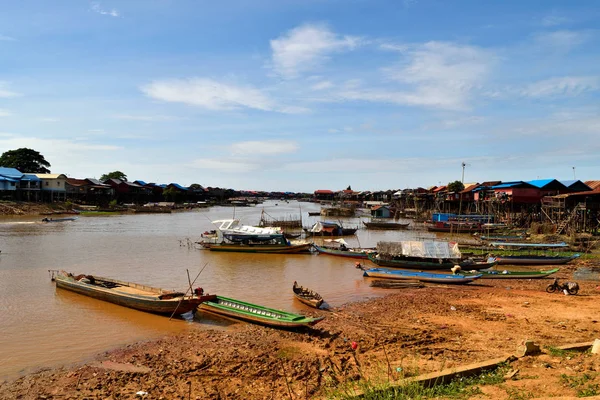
(570, 205)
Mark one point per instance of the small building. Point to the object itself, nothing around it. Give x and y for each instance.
(517, 192)
(549, 187)
(381, 211)
(323, 194)
(53, 187)
(9, 179)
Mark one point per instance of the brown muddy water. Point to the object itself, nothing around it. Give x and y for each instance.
(41, 326)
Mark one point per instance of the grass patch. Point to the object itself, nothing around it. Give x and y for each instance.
(518, 394)
(288, 353)
(460, 388)
(582, 383)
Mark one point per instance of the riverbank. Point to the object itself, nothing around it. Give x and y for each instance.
(408, 332)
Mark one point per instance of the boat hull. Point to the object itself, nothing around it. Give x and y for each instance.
(385, 225)
(249, 312)
(307, 296)
(385, 273)
(259, 248)
(145, 303)
(411, 264)
(515, 274)
(341, 253)
(533, 260)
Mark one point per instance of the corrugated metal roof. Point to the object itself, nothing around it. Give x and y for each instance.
(178, 186)
(323, 191)
(543, 183)
(439, 189)
(30, 177)
(593, 184)
(141, 183)
(469, 187)
(10, 172)
(50, 176)
(77, 182)
(504, 185)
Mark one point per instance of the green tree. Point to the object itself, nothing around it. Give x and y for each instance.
(114, 175)
(195, 187)
(25, 160)
(455, 187)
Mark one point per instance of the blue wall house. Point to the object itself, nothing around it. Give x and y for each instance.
(381, 212)
(10, 179)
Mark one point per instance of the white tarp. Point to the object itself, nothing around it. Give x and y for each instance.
(423, 249)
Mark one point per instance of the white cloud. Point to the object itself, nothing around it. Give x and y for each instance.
(233, 166)
(554, 20)
(213, 95)
(565, 86)
(561, 40)
(95, 7)
(434, 74)
(4, 38)
(4, 113)
(5, 92)
(322, 85)
(306, 47)
(264, 147)
(144, 117)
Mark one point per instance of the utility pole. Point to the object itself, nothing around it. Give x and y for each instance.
(574, 173)
(462, 180)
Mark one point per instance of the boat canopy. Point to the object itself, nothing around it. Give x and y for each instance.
(423, 249)
(234, 226)
(533, 245)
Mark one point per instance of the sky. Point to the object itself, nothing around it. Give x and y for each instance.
(300, 95)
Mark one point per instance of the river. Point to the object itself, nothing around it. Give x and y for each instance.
(43, 327)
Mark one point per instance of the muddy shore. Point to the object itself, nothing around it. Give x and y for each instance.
(406, 333)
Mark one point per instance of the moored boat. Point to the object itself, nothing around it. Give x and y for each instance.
(505, 274)
(129, 294)
(258, 248)
(386, 273)
(535, 260)
(323, 228)
(410, 262)
(249, 312)
(385, 225)
(350, 253)
(422, 255)
(307, 296)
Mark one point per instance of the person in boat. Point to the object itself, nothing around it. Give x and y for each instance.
(199, 291)
(45, 220)
(343, 247)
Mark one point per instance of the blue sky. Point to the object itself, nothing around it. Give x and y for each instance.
(301, 95)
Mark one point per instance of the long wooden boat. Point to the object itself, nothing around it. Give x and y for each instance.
(410, 263)
(385, 225)
(386, 273)
(249, 312)
(258, 248)
(351, 253)
(307, 296)
(535, 260)
(469, 264)
(494, 274)
(453, 227)
(129, 294)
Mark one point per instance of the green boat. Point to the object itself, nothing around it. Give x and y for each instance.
(254, 313)
(412, 262)
(495, 274)
(259, 248)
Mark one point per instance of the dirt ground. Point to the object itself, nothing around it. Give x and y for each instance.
(406, 333)
(25, 208)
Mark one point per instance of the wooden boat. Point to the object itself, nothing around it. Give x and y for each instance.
(411, 262)
(494, 274)
(351, 253)
(314, 213)
(249, 312)
(395, 284)
(129, 294)
(307, 296)
(323, 228)
(454, 227)
(535, 260)
(470, 264)
(65, 219)
(385, 225)
(386, 273)
(258, 248)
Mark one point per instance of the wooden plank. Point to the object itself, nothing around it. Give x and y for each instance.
(582, 346)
